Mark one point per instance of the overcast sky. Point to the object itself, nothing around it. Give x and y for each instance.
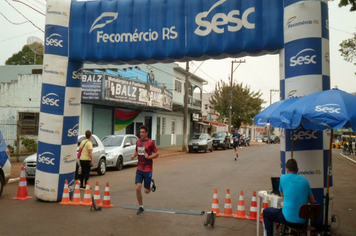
(260, 73)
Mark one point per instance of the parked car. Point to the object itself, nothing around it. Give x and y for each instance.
(99, 158)
(119, 149)
(274, 139)
(221, 140)
(200, 142)
(5, 165)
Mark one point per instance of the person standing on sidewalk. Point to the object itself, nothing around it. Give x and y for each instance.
(236, 137)
(86, 159)
(146, 151)
(350, 145)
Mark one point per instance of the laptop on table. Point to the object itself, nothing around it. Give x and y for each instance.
(275, 185)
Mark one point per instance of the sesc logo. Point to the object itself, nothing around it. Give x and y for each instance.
(328, 108)
(54, 40)
(108, 16)
(260, 122)
(50, 99)
(78, 73)
(304, 135)
(219, 20)
(73, 131)
(46, 158)
(303, 58)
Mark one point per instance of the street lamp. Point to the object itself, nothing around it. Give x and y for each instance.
(232, 74)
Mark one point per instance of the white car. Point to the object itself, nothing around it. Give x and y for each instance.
(99, 158)
(119, 149)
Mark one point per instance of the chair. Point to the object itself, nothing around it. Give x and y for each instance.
(305, 212)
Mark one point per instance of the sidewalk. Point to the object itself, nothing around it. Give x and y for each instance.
(163, 152)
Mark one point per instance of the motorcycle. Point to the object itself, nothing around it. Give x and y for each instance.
(248, 139)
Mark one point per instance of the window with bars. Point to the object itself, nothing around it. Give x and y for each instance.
(29, 122)
(163, 125)
(178, 86)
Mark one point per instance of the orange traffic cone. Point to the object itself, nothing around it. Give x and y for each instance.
(253, 208)
(215, 205)
(22, 193)
(65, 196)
(241, 213)
(97, 194)
(264, 206)
(106, 199)
(87, 196)
(76, 195)
(227, 206)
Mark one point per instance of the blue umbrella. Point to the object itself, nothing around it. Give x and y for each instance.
(271, 114)
(329, 109)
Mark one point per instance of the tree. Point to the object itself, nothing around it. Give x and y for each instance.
(343, 3)
(348, 46)
(246, 104)
(348, 49)
(24, 57)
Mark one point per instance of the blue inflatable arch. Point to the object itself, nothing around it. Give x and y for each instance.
(148, 31)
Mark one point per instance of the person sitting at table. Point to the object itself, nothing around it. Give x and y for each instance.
(295, 190)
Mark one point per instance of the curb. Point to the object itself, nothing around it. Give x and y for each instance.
(14, 180)
(348, 158)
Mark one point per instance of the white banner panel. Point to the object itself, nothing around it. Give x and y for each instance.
(302, 21)
(303, 85)
(50, 129)
(44, 187)
(55, 69)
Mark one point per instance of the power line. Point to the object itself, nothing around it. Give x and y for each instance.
(341, 30)
(18, 36)
(29, 6)
(13, 22)
(24, 16)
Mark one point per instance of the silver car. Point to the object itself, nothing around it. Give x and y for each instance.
(200, 142)
(98, 158)
(119, 149)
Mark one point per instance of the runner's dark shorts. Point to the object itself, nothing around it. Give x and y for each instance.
(144, 176)
(236, 145)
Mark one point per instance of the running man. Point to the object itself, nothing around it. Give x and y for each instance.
(146, 150)
(236, 137)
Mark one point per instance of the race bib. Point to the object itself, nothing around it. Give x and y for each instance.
(141, 150)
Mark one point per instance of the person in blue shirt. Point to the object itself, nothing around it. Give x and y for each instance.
(236, 137)
(295, 190)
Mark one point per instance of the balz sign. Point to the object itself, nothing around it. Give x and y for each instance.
(129, 91)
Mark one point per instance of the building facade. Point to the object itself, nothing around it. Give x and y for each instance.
(163, 111)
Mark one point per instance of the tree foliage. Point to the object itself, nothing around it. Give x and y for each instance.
(348, 49)
(343, 3)
(348, 46)
(24, 57)
(245, 103)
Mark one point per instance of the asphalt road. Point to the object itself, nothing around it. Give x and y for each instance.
(184, 182)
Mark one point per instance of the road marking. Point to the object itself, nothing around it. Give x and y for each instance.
(172, 211)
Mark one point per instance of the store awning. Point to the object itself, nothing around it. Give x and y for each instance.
(202, 123)
(217, 124)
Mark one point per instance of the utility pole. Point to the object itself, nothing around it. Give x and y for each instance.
(232, 74)
(185, 119)
(270, 95)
